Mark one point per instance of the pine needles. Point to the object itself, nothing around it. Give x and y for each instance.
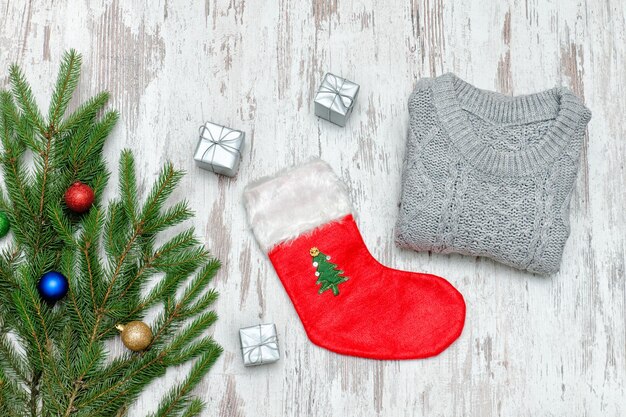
(53, 358)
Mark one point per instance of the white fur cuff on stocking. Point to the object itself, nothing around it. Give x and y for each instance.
(295, 201)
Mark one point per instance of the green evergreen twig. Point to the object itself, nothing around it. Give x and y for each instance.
(109, 255)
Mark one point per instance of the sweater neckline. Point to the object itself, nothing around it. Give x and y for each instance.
(453, 97)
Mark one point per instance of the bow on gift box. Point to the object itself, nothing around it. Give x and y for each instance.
(253, 354)
(227, 142)
(332, 94)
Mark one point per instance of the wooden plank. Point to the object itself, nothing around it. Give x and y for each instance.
(531, 346)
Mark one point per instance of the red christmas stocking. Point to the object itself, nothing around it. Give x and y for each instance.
(348, 302)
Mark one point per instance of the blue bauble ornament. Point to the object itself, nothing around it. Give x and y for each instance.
(52, 286)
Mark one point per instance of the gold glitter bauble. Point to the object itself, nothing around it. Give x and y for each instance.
(314, 252)
(136, 335)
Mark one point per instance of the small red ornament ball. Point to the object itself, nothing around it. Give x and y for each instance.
(79, 197)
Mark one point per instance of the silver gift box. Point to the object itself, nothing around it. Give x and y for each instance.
(219, 149)
(335, 99)
(259, 344)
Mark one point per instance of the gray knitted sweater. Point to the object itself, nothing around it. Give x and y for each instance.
(490, 175)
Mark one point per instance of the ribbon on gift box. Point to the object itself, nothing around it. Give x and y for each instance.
(219, 140)
(331, 94)
(253, 354)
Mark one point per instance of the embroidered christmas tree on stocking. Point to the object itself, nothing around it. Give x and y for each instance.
(328, 274)
(347, 301)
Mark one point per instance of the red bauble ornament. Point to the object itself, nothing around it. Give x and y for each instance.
(79, 197)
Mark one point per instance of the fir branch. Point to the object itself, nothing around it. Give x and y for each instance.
(65, 86)
(115, 230)
(136, 369)
(44, 322)
(86, 113)
(118, 268)
(90, 147)
(184, 342)
(165, 286)
(179, 255)
(204, 302)
(194, 408)
(178, 400)
(167, 181)
(13, 397)
(31, 335)
(174, 215)
(88, 247)
(8, 283)
(193, 350)
(12, 126)
(11, 361)
(176, 311)
(25, 99)
(45, 156)
(15, 175)
(20, 194)
(109, 256)
(161, 190)
(128, 185)
(62, 225)
(34, 393)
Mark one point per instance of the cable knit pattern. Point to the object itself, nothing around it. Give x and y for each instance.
(490, 175)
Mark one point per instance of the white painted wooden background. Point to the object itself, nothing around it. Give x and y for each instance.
(532, 346)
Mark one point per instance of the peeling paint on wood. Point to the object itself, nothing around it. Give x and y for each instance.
(532, 346)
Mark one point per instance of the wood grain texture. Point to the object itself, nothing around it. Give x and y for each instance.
(532, 346)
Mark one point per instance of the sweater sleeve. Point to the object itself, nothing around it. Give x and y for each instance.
(576, 143)
(423, 123)
(417, 187)
(422, 116)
